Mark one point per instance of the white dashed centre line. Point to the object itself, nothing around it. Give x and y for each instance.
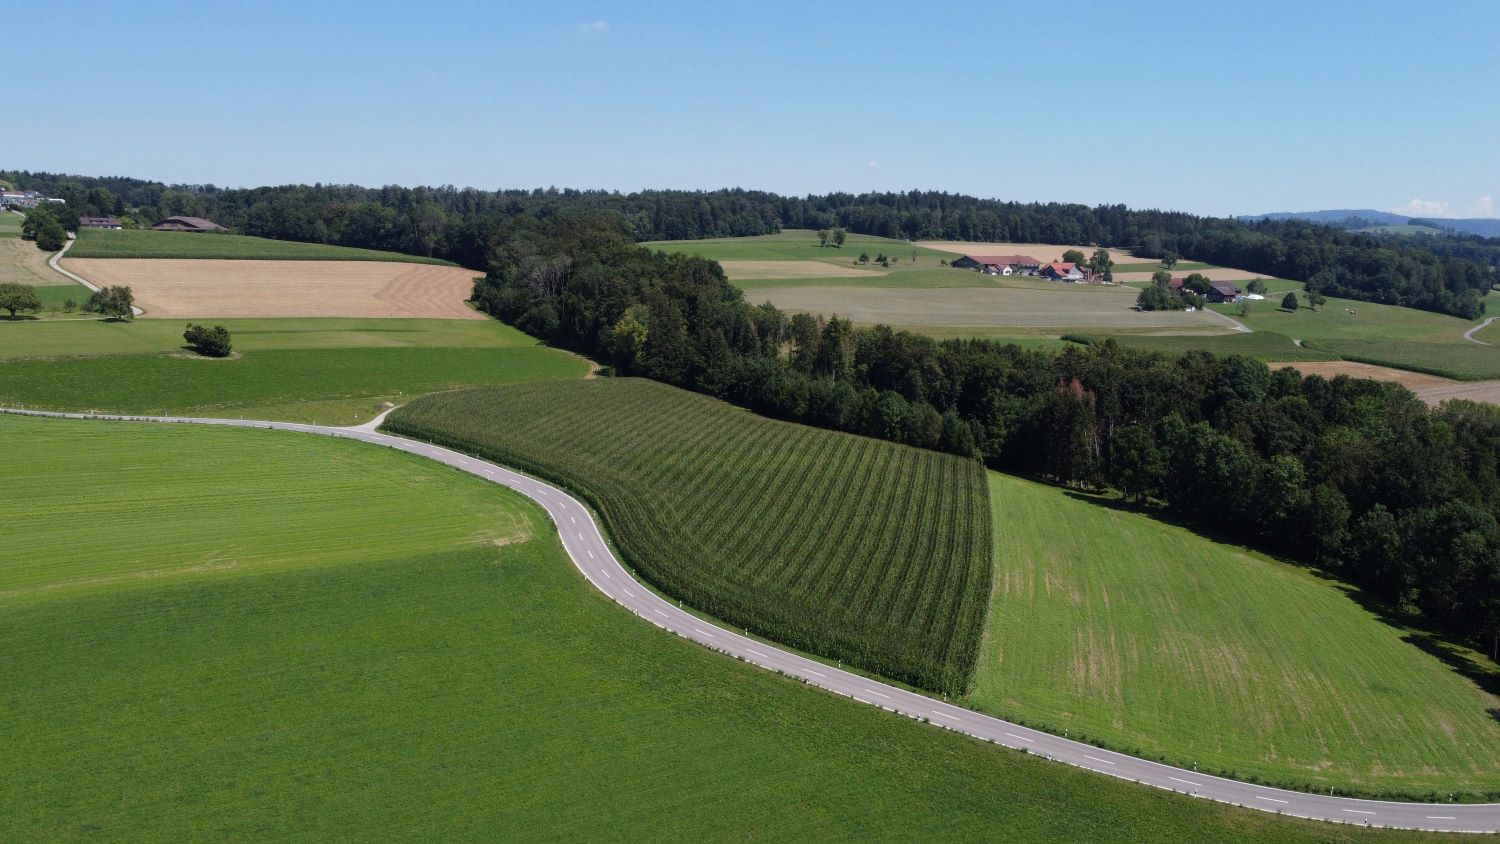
(629, 594)
(757, 653)
(1269, 799)
(660, 613)
(1441, 818)
(814, 673)
(1022, 738)
(1353, 811)
(703, 633)
(877, 694)
(1186, 782)
(1097, 759)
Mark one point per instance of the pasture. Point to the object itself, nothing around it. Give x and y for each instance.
(199, 288)
(145, 243)
(851, 548)
(1037, 304)
(1044, 252)
(1261, 345)
(798, 245)
(1153, 639)
(329, 371)
(442, 672)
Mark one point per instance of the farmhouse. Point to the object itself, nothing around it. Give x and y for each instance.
(1223, 291)
(1062, 271)
(99, 222)
(998, 264)
(188, 224)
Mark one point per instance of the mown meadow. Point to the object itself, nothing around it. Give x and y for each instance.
(332, 371)
(145, 243)
(207, 658)
(1156, 640)
(851, 548)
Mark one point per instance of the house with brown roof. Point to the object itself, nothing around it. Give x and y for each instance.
(188, 224)
(1223, 291)
(1063, 271)
(99, 223)
(997, 264)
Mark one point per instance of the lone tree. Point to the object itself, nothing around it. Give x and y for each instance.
(1101, 264)
(838, 237)
(113, 302)
(209, 342)
(1169, 259)
(1290, 302)
(823, 236)
(1073, 256)
(1315, 298)
(19, 297)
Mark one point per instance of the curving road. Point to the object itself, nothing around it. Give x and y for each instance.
(1469, 335)
(53, 263)
(590, 552)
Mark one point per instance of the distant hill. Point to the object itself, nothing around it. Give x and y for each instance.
(1368, 219)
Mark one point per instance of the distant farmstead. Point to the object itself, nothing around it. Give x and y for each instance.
(99, 223)
(188, 224)
(998, 264)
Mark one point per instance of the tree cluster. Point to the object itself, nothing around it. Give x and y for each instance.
(113, 302)
(1356, 476)
(209, 342)
(46, 225)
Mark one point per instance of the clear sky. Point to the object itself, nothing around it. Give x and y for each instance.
(1212, 107)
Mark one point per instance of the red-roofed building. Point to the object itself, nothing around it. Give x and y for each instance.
(998, 264)
(1063, 271)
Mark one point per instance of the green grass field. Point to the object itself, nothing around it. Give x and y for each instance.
(798, 245)
(1153, 639)
(1262, 345)
(308, 370)
(145, 243)
(852, 548)
(226, 667)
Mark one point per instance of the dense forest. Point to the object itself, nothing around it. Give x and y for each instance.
(458, 224)
(1357, 477)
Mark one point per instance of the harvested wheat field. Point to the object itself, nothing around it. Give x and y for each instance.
(762, 270)
(1045, 252)
(21, 262)
(176, 288)
(1429, 388)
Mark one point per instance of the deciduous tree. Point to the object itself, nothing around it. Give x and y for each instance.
(19, 297)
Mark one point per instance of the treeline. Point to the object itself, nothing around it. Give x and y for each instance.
(457, 224)
(1355, 476)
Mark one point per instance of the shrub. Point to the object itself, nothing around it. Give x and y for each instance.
(209, 342)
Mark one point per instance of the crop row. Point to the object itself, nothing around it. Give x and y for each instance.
(852, 548)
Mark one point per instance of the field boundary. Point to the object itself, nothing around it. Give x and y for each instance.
(582, 538)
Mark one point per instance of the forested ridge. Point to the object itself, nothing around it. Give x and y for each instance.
(1357, 477)
(459, 224)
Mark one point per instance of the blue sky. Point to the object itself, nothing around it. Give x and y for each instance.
(1200, 106)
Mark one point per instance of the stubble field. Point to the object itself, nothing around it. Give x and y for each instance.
(182, 288)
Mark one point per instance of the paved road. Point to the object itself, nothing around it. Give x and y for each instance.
(591, 554)
(1469, 335)
(52, 262)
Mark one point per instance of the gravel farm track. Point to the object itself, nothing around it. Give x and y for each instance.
(590, 552)
(190, 287)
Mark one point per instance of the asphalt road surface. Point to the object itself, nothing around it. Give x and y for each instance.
(591, 554)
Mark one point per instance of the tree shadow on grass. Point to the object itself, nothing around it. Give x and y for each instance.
(18, 318)
(1414, 629)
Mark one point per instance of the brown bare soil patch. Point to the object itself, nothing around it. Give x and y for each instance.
(756, 270)
(1041, 251)
(177, 288)
(1429, 388)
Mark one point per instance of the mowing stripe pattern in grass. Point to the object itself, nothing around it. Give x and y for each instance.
(855, 549)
